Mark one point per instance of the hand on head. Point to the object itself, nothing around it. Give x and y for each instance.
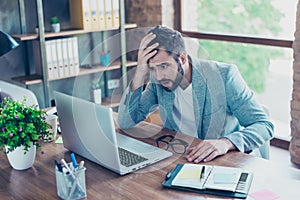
(144, 54)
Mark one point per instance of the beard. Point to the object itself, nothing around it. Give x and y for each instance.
(177, 81)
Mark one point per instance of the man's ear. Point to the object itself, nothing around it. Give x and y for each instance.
(183, 57)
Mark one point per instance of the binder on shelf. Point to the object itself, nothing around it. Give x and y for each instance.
(208, 179)
(101, 14)
(70, 55)
(54, 59)
(60, 63)
(75, 55)
(108, 14)
(80, 14)
(49, 59)
(116, 13)
(37, 58)
(94, 15)
(66, 62)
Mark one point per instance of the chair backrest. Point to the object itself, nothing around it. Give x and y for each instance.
(17, 93)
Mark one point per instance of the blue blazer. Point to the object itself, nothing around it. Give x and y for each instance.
(224, 106)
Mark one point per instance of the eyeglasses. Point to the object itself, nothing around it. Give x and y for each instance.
(178, 146)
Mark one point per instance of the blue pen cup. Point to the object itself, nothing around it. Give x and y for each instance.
(69, 187)
(105, 59)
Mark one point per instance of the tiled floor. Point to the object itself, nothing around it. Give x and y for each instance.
(281, 157)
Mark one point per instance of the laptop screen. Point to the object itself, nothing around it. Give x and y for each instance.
(88, 129)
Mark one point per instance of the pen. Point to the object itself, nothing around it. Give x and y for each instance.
(168, 176)
(67, 167)
(75, 181)
(75, 165)
(72, 174)
(81, 165)
(65, 171)
(202, 173)
(58, 165)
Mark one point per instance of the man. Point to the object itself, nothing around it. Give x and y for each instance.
(205, 99)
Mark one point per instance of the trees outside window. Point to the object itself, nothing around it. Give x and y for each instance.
(266, 68)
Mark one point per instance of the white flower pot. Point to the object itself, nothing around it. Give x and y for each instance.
(97, 96)
(20, 161)
(55, 27)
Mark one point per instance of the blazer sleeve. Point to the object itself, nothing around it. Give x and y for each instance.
(257, 129)
(135, 106)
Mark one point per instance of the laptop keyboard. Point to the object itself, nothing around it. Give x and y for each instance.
(128, 158)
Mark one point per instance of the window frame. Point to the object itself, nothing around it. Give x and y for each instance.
(276, 141)
(227, 37)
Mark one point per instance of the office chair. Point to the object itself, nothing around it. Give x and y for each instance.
(17, 93)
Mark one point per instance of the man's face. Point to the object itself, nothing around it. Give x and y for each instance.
(164, 69)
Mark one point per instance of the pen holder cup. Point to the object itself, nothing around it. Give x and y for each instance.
(69, 187)
(105, 59)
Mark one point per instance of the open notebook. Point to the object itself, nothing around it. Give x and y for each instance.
(217, 180)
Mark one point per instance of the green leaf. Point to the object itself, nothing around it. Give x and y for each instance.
(24, 122)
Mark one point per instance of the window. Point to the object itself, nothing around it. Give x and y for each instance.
(256, 36)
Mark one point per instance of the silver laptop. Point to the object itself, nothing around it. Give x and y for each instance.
(88, 130)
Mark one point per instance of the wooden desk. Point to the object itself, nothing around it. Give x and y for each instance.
(39, 181)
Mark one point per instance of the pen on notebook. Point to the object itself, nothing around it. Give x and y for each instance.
(202, 172)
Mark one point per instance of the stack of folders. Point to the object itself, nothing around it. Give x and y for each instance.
(62, 58)
(206, 179)
(95, 14)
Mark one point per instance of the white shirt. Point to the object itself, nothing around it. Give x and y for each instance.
(183, 111)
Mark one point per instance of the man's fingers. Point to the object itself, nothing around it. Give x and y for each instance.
(206, 155)
(149, 55)
(211, 156)
(146, 40)
(199, 151)
(145, 52)
(204, 151)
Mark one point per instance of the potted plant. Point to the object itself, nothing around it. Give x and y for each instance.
(104, 58)
(55, 25)
(21, 130)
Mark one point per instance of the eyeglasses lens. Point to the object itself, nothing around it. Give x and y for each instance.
(163, 144)
(178, 148)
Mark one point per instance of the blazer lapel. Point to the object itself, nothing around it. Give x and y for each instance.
(199, 92)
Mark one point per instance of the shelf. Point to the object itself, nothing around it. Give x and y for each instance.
(110, 102)
(29, 80)
(34, 79)
(33, 36)
(128, 26)
(97, 69)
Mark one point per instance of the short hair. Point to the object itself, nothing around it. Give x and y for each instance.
(168, 39)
